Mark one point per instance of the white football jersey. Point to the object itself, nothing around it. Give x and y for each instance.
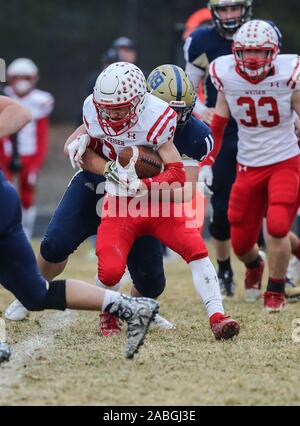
(40, 104)
(263, 112)
(156, 125)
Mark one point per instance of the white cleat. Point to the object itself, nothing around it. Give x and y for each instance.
(16, 311)
(162, 323)
(293, 272)
(252, 295)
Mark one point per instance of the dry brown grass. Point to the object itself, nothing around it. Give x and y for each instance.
(73, 365)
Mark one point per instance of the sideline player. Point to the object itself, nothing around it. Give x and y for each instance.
(19, 272)
(201, 48)
(121, 113)
(261, 90)
(23, 153)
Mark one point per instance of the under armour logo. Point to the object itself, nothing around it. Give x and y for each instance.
(242, 168)
(274, 84)
(131, 135)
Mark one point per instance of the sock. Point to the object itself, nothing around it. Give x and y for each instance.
(224, 266)
(255, 264)
(276, 285)
(207, 285)
(110, 297)
(297, 252)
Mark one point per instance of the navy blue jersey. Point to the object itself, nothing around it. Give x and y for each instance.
(194, 139)
(206, 45)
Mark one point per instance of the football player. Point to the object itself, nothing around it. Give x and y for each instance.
(23, 154)
(76, 217)
(19, 272)
(70, 221)
(121, 113)
(261, 90)
(201, 48)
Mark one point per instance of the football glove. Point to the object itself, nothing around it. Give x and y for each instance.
(77, 148)
(206, 177)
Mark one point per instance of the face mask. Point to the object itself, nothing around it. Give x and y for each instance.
(22, 86)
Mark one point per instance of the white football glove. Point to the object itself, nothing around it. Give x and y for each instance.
(133, 182)
(206, 177)
(77, 148)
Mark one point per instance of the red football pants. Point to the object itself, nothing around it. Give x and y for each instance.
(258, 191)
(117, 234)
(27, 177)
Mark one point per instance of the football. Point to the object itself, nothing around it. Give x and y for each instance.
(148, 162)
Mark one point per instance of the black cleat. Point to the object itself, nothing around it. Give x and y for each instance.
(5, 352)
(227, 284)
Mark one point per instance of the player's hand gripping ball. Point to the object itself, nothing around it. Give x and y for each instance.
(147, 162)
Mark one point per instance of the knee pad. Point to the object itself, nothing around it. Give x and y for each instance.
(220, 231)
(279, 220)
(110, 275)
(151, 287)
(55, 251)
(241, 241)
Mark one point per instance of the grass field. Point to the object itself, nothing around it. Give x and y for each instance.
(59, 359)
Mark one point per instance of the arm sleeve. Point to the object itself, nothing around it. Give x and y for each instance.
(218, 126)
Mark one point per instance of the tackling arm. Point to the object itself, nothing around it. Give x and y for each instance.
(174, 169)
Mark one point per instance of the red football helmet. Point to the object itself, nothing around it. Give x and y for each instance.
(255, 36)
(119, 96)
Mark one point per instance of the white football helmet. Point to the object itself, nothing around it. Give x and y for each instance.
(120, 85)
(255, 35)
(23, 75)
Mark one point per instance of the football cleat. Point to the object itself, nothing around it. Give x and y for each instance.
(253, 282)
(225, 327)
(5, 352)
(291, 291)
(16, 311)
(273, 301)
(138, 313)
(227, 284)
(293, 272)
(110, 325)
(162, 323)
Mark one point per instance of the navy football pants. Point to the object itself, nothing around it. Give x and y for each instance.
(18, 268)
